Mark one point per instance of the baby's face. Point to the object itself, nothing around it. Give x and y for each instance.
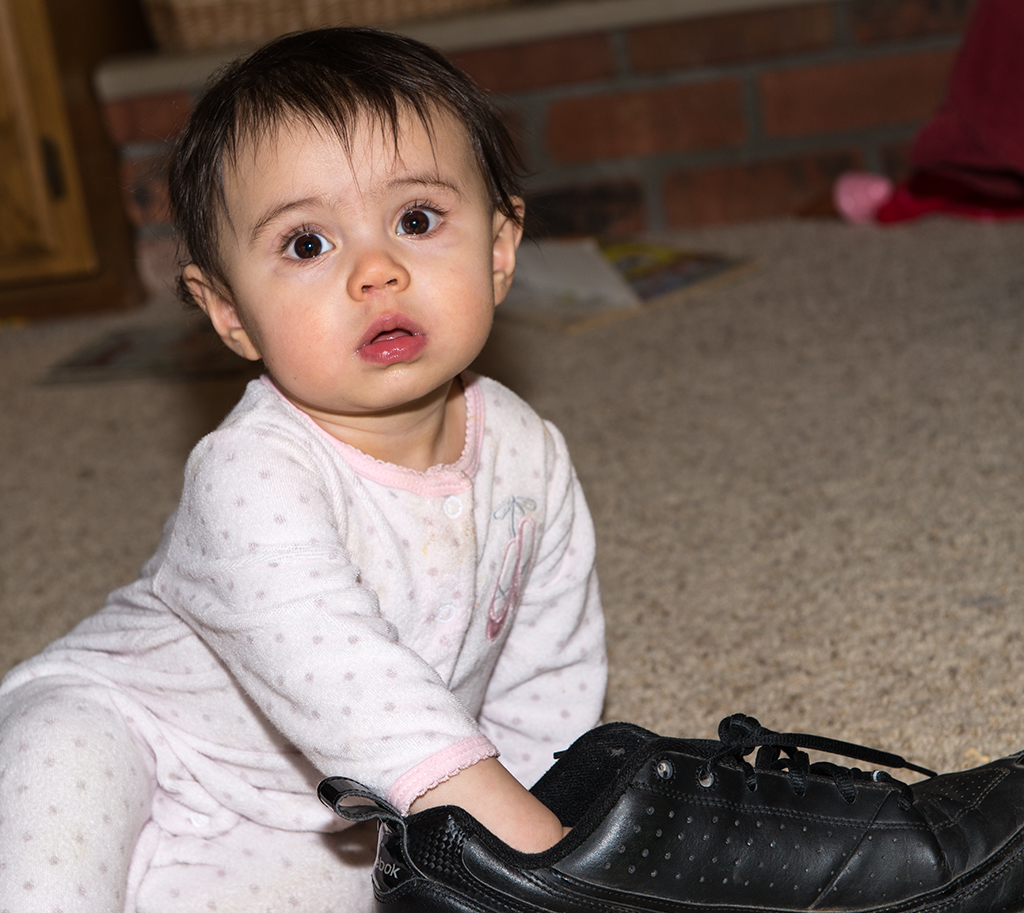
(365, 281)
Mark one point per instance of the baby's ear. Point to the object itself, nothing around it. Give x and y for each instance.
(220, 308)
(508, 232)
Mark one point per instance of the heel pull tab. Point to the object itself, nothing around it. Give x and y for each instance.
(354, 802)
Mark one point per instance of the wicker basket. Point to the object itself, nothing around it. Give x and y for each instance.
(195, 25)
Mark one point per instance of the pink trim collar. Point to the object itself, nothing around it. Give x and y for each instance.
(438, 480)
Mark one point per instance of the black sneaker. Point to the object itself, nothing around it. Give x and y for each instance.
(664, 825)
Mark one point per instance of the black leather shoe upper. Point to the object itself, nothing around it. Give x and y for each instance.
(671, 837)
(670, 825)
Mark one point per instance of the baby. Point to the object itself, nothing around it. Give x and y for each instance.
(381, 567)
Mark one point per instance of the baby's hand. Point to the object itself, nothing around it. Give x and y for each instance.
(500, 803)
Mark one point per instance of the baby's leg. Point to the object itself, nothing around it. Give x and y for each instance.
(75, 791)
(255, 869)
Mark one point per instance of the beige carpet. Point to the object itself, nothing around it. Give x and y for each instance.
(807, 485)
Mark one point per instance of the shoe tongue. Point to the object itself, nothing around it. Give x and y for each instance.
(587, 767)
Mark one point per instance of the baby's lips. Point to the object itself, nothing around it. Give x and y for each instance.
(393, 325)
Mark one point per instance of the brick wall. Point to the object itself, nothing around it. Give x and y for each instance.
(725, 118)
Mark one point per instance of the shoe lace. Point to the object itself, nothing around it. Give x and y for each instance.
(739, 735)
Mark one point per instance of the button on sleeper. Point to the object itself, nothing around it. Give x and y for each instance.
(453, 507)
(446, 612)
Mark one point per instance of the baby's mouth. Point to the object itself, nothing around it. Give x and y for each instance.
(387, 328)
(389, 335)
(392, 341)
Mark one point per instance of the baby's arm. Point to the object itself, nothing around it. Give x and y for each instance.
(500, 803)
(256, 567)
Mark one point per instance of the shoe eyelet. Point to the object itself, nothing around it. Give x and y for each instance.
(705, 779)
(665, 770)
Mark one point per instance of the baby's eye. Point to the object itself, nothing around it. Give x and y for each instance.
(418, 222)
(308, 246)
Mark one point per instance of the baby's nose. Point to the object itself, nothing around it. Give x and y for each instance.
(377, 270)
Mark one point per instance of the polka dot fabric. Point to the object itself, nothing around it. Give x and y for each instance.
(75, 794)
(310, 611)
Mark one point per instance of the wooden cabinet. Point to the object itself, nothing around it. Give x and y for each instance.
(44, 229)
(65, 245)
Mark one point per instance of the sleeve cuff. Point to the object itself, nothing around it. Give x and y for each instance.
(437, 768)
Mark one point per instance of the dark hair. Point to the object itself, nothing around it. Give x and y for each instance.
(327, 77)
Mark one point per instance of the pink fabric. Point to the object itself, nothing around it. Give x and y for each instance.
(438, 768)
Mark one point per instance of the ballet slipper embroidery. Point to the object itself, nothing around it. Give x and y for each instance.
(514, 565)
